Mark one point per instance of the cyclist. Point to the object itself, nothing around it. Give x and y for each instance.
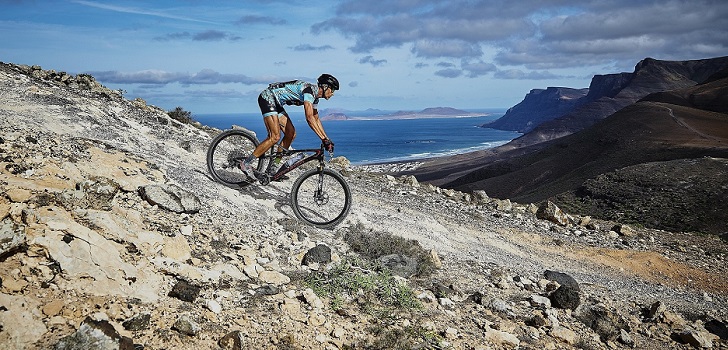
(295, 92)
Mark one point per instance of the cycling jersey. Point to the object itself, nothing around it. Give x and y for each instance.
(294, 92)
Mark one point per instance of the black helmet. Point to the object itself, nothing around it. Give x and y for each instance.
(329, 80)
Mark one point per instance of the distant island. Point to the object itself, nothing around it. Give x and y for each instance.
(433, 112)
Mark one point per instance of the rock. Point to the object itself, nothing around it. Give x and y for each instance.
(186, 326)
(503, 204)
(500, 337)
(540, 301)
(549, 211)
(320, 254)
(624, 230)
(12, 238)
(53, 308)
(96, 192)
(177, 248)
(97, 335)
(184, 291)
(561, 278)
(19, 195)
(138, 322)
(232, 341)
(625, 338)
(718, 328)
(695, 338)
(21, 321)
(564, 334)
(480, 197)
(400, 265)
(499, 305)
(171, 197)
(435, 259)
(656, 310)
(312, 299)
(410, 180)
(213, 306)
(565, 297)
(99, 192)
(274, 277)
(604, 322)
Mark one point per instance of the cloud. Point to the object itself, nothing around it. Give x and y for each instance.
(445, 48)
(533, 34)
(307, 47)
(449, 73)
(372, 61)
(518, 74)
(353, 84)
(255, 19)
(477, 68)
(139, 11)
(208, 35)
(161, 78)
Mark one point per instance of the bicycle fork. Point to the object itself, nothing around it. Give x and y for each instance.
(320, 196)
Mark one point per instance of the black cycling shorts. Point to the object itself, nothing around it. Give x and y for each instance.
(269, 104)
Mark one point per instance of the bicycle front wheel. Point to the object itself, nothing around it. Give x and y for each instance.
(321, 198)
(227, 150)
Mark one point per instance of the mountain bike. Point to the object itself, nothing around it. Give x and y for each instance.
(320, 197)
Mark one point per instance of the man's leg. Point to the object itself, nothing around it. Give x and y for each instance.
(274, 134)
(272, 125)
(289, 130)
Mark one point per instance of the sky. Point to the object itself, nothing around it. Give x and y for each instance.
(216, 56)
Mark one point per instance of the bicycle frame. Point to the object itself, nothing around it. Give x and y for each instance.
(318, 154)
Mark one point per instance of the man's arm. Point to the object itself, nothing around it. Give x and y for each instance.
(312, 118)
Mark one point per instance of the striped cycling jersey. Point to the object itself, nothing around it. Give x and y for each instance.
(293, 92)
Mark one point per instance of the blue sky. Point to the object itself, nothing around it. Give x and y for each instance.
(216, 56)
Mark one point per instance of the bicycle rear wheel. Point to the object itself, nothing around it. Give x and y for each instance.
(321, 198)
(227, 150)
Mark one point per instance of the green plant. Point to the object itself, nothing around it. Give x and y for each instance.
(181, 115)
(373, 245)
(370, 284)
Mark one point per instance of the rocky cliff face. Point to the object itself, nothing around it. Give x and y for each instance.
(112, 236)
(539, 106)
(610, 93)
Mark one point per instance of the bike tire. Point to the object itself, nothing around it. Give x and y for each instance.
(225, 153)
(324, 210)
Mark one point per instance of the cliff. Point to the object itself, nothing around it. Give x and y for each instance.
(657, 134)
(612, 92)
(537, 107)
(113, 236)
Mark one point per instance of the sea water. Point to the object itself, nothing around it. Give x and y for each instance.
(367, 141)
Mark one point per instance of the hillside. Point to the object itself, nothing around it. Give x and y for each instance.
(678, 124)
(113, 236)
(538, 107)
(611, 92)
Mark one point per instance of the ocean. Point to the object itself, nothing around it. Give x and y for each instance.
(382, 141)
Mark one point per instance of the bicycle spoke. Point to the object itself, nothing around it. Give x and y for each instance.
(321, 199)
(226, 154)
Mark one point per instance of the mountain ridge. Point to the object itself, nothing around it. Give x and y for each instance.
(662, 126)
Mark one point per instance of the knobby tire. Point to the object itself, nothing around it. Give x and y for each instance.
(324, 209)
(227, 150)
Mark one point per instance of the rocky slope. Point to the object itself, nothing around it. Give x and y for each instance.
(538, 107)
(112, 236)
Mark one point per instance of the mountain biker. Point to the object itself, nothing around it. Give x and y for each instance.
(276, 119)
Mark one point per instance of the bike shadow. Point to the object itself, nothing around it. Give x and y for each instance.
(280, 194)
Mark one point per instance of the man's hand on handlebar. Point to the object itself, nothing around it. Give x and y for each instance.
(328, 145)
